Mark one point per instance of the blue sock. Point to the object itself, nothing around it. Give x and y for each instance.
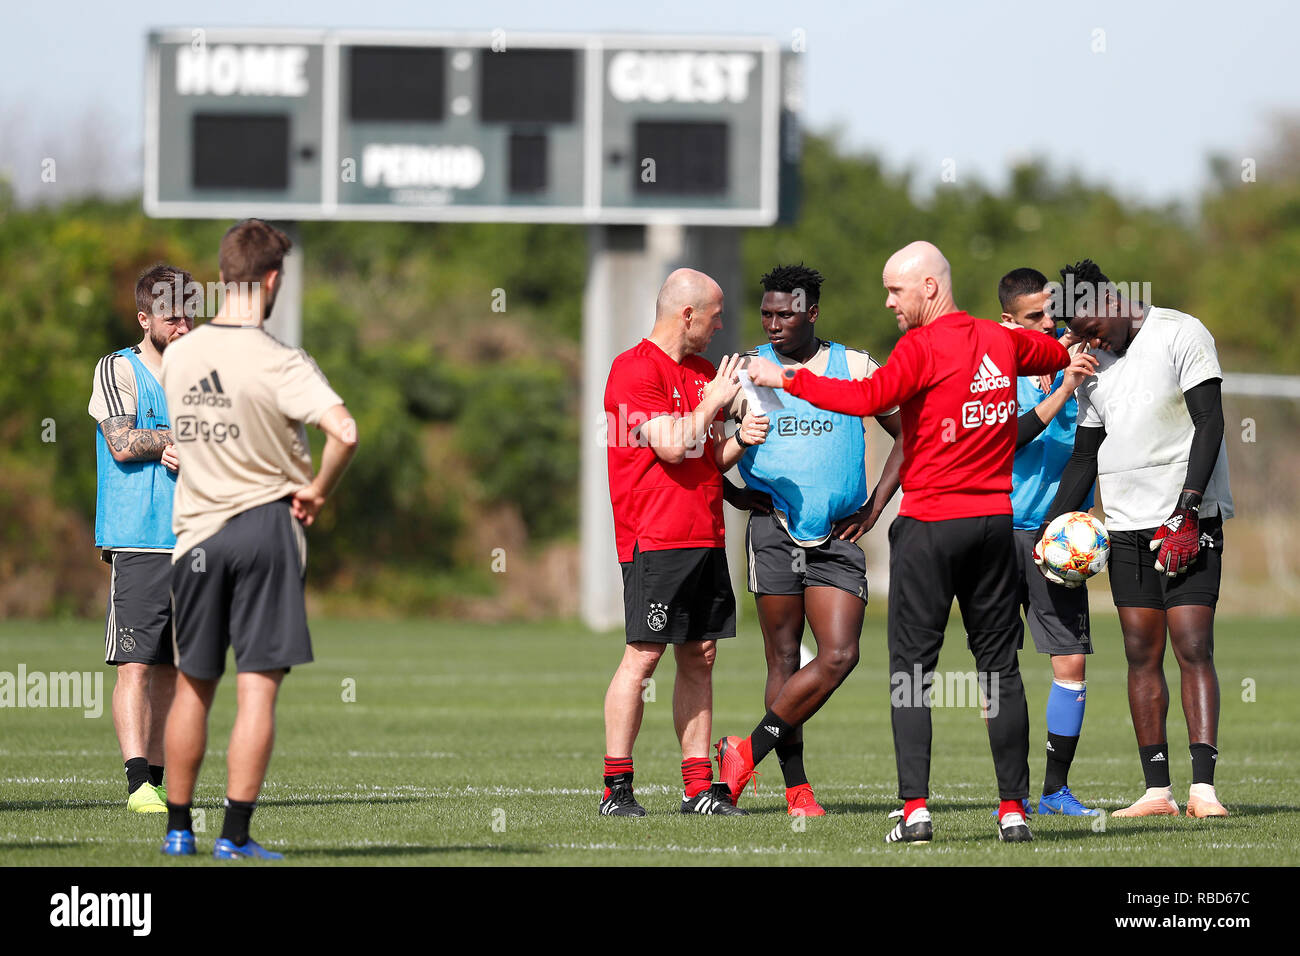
(1065, 705)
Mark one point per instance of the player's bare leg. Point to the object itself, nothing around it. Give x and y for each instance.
(162, 687)
(253, 735)
(1191, 633)
(131, 709)
(187, 736)
(693, 697)
(835, 617)
(1148, 702)
(624, 704)
(781, 618)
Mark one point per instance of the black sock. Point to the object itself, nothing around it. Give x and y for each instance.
(771, 730)
(1155, 764)
(155, 775)
(178, 816)
(1060, 754)
(137, 774)
(790, 755)
(1204, 758)
(235, 827)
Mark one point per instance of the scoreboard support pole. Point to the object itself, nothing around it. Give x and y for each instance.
(626, 265)
(285, 323)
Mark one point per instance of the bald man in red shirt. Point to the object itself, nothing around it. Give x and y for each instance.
(665, 407)
(954, 377)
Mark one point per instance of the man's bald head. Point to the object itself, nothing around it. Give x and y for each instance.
(683, 288)
(919, 282)
(688, 309)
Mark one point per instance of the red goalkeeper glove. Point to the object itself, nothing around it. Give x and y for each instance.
(1178, 540)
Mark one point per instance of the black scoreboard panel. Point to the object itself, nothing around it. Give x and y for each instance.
(513, 127)
(396, 83)
(528, 86)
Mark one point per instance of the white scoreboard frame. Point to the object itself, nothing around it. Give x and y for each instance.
(589, 212)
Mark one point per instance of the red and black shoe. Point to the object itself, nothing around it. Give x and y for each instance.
(620, 802)
(801, 803)
(735, 765)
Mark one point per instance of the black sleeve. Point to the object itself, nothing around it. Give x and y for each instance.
(1205, 405)
(730, 492)
(1080, 471)
(1028, 427)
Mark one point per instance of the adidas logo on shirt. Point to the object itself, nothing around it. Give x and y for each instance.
(988, 377)
(207, 391)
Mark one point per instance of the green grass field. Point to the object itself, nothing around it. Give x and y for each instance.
(475, 744)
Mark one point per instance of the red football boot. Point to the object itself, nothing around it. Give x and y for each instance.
(802, 803)
(735, 765)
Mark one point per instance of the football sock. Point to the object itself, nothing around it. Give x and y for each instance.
(178, 816)
(697, 774)
(789, 753)
(235, 827)
(769, 732)
(1155, 764)
(155, 775)
(1010, 806)
(618, 772)
(1204, 757)
(137, 774)
(910, 805)
(1065, 706)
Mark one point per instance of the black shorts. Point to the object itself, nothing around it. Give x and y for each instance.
(138, 628)
(243, 588)
(678, 595)
(777, 565)
(1135, 582)
(1058, 616)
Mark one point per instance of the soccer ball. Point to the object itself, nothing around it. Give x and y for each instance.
(1075, 547)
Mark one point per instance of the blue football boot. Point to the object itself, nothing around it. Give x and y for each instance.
(225, 849)
(1065, 803)
(179, 843)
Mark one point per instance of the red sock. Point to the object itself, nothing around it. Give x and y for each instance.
(697, 774)
(616, 767)
(1010, 806)
(910, 805)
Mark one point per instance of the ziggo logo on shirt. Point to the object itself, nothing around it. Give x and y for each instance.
(976, 414)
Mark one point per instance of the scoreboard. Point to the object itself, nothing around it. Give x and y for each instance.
(500, 126)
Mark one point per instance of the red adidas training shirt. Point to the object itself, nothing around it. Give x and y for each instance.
(955, 380)
(657, 505)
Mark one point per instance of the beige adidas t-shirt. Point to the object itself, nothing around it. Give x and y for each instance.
(239, 401)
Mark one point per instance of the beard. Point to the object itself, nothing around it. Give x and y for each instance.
(268, 301)
(159, 340)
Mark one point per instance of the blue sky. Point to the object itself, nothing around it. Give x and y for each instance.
(982, 84)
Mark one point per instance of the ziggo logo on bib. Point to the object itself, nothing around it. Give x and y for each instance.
(975, 414)
(792, 425)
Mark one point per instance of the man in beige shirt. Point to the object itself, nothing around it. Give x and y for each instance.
(240, 400)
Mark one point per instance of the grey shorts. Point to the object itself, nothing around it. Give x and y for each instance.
(777, 565)
(1058, 616)
(243, 588)
(138, 627)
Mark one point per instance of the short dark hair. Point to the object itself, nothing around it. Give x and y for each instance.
(794, 278)
(158, 283)
(1019, 282)
(1086, 274)
(250, 249)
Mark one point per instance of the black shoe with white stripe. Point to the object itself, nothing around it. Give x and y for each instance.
(621, 803)
(917, 828)
(716, 801)
(1013, 829)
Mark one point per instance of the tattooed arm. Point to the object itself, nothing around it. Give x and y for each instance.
(126, 443)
